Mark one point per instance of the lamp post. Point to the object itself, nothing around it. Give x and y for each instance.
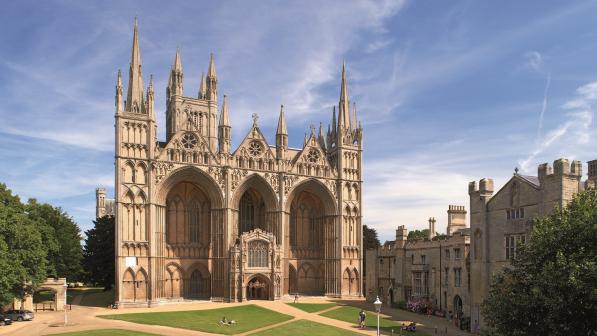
(64, 307)
(377, 304)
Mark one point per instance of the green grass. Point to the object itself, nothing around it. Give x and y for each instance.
(351, 314)
(304, 327)
(247, 318)
(312, 307)
(107, 332)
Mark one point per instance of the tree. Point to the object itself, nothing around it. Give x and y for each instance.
(370, 239)
(550, 287)
(99, 252)
(418, 234)
(22, 250)
(62, 238)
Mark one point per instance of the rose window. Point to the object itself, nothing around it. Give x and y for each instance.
(255, 148)
(189, 141)
(313, 156)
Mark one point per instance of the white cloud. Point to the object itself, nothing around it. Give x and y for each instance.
(534, 61)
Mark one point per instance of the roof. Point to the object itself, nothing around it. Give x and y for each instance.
(532, 179)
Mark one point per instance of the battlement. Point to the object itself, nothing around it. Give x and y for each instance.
(485, 186)
(456, 209)
(100, 191)
(560, 168)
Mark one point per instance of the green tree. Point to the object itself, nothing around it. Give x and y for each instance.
(99, 252)
(63, 240)
(550, 288)
(22, 250)
(418, 234)
(370, 239)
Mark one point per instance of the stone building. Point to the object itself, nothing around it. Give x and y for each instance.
(501, 222)
(197, 219)
(103, 206)
(434, 270)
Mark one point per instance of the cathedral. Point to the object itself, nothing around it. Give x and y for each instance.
(199, 220)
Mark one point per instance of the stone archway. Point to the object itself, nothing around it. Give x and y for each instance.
(255, 206)
(258, 288)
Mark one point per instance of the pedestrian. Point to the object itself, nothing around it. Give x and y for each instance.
(295, 297)
(362, 317)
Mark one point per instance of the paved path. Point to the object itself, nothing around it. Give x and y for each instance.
(85, 318)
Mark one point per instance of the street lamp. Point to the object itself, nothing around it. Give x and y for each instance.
(65, 300)
(377, 304)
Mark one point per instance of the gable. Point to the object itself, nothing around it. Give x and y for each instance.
(187, 146)
(312, 160)
(518, 191)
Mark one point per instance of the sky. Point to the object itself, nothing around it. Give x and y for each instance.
(447, 91)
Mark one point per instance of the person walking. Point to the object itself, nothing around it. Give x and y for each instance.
(362, 317)
(295, 297)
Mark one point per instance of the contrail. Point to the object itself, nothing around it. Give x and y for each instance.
(544, 107)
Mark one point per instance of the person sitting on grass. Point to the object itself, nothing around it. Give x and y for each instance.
(224, 321)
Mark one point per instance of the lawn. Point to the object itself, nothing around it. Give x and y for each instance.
(351, 314)
(106, 332)
(312, 307)
(247, 318)
(304, 327)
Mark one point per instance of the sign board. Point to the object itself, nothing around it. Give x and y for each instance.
(130, 261)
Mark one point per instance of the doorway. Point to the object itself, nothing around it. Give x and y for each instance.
(258, 288)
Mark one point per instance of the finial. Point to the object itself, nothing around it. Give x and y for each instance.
(312, 129)
(516, 170)
(255, 118)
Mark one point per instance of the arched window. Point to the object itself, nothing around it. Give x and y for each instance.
(196, 282)
(258, 253)
(194, 220)
(247, 214)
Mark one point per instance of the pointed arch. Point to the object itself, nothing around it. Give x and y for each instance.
(128, 285)
(193, 175)
(199, 282)
(174, 284)
(141, 173)
(141, 285)
(317, 188)
(292, 280)
(260, 184)
(128, 172)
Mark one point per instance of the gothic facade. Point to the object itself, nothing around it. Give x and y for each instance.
(198, 220)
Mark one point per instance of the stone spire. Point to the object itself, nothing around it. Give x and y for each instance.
(224, 129)
(134, 97)
(176, 76)
(202, 87)
(320, 137)
(118, 97)
(344, 104)
(282, 122)
(225, 116)
(211, 81)
(281, 135)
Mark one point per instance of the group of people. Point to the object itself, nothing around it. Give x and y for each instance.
(225, 321)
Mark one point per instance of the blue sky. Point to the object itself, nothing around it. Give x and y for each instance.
(447, 91)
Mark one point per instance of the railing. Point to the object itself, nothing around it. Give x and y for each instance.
(49, 306)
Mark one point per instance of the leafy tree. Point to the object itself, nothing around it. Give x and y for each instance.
(99, 252)
(550, 287)
(370, 239)
(418, 234)
(63, 240)
(22, 250)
